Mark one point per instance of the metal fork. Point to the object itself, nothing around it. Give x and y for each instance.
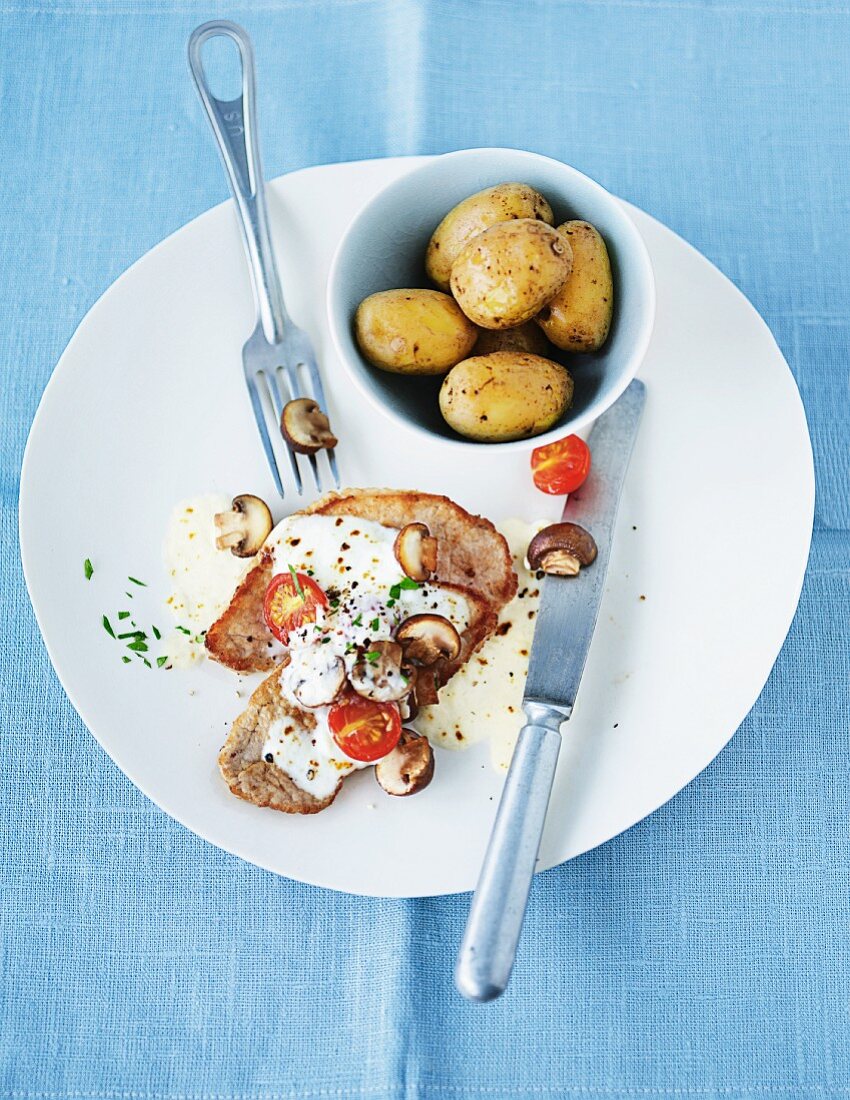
(278, 355)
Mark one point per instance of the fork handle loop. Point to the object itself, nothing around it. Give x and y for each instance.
(234, 124)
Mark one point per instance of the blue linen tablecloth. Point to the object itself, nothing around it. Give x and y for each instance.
(705, 953)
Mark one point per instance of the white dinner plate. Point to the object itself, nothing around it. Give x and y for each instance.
(148, 405)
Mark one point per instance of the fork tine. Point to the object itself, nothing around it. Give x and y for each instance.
(277, 405)
(315, 386)
(315, 468)
(259, 416)
(334, 468)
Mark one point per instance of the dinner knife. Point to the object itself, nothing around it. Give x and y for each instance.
(569, 607)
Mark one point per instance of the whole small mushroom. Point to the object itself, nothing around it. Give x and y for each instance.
(377, 673)
(426, 639)
(409, 768)
(305, 427)
(416, 551)
(245, 528)
(561, 549)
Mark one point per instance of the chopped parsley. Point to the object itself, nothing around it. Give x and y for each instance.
(137, 635)
(359, 620)
(297, 584)
(390, 602)
(155, 632)
(125, 659)
(375, 624)
(183, 630)
(138, 647)
(160, 661)
(134, 580)
(373, 656)
(88, 569)
(404, 583)
(107, 626)
(123, 614)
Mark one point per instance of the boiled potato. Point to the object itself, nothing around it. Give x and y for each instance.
(413, 331)
(579, 316)
(528, 337)
(506, 274)
(501, 203)
(505, 395)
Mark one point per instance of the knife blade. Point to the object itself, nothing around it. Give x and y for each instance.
(569, 608)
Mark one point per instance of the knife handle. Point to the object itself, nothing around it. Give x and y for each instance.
(489, 945)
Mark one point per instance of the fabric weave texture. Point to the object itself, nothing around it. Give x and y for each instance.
(705, 953)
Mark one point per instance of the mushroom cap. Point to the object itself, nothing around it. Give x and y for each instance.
(426, 639)
(305, 427)
(416, 551)
(561, 548)
(409, 768)
(245, 528)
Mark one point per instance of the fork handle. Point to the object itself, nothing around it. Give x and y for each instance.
(234, 124)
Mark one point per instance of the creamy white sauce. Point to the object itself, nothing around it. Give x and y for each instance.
(202, 577)
(483, 700)
(353, 562)
(311, 758)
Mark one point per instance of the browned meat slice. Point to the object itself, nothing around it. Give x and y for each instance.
(471, 555)
(470, 551)
(241, 761)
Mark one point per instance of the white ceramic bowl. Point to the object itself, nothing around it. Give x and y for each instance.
(384, 248)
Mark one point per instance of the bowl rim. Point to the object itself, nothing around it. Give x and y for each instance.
(582, 420)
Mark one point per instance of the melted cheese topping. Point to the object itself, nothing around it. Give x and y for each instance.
(483, 700)
(311, 758)
(203, 578)
(354, 563)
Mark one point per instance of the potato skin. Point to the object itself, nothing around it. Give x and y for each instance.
(413, 331)
(506, 274)
(526, 338)
(496, 204)
(505, 395)
(578, 318)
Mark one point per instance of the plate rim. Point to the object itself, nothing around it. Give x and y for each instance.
(24, 496)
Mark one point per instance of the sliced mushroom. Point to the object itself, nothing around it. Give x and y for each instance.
(243, 530)
(409, 768)
(416, 551)
(305, 427)
(377, 673)
(424, 691)
(408, 707)
(315, 675)
(427, 638)
(562, 549)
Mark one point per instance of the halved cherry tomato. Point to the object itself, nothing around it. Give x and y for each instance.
(289, 605)
(561, 467)
(363, 729)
